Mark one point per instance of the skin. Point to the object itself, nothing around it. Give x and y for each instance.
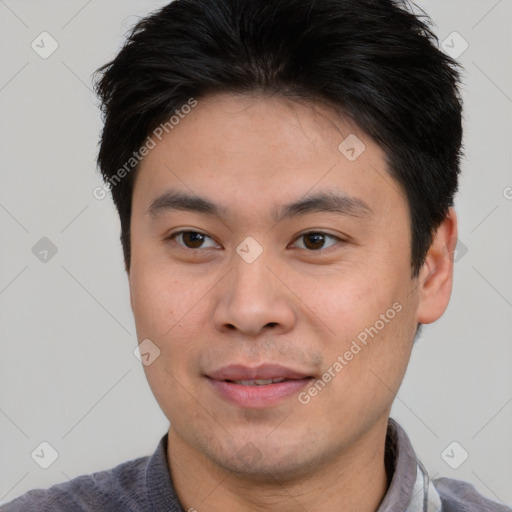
(205, 307)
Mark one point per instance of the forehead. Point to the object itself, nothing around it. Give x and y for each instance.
(254, 151)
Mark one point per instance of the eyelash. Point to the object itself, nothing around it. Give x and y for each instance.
(327, 235)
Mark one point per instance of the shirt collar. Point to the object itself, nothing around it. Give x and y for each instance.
(410, 489)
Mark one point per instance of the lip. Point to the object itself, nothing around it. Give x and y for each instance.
(263, 371)
(255, 397)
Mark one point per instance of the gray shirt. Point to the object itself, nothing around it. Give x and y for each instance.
(145, 485)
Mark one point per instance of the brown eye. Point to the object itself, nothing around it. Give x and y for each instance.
(315, 240)
(191, 239)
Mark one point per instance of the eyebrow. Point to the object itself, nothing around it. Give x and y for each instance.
(325, 201)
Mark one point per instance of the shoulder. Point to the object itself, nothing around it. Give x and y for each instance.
(120, 488)
(459, 496)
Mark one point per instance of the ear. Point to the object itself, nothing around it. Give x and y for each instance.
(436, 274)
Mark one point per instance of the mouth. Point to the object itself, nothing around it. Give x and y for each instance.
(259, 387)
(258, 382)
(260, 374)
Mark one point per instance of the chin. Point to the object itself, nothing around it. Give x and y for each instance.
(265, 462)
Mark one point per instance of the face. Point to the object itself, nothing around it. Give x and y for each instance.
(295, 264)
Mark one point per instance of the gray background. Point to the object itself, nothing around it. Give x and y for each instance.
(68, 375)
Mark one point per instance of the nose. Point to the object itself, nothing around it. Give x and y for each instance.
(254, 299)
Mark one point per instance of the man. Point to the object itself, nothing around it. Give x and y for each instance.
(284, 174)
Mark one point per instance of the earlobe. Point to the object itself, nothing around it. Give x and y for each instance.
(436, 275)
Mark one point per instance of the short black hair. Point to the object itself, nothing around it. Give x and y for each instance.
(377, 61)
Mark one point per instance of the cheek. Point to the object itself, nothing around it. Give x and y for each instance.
(168, 311)
(149, 302)
(371, 325)
(350, 303)
(159, 308)
(159, 299)
(379, 353)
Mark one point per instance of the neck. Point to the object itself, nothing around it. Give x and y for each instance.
(354, 481)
